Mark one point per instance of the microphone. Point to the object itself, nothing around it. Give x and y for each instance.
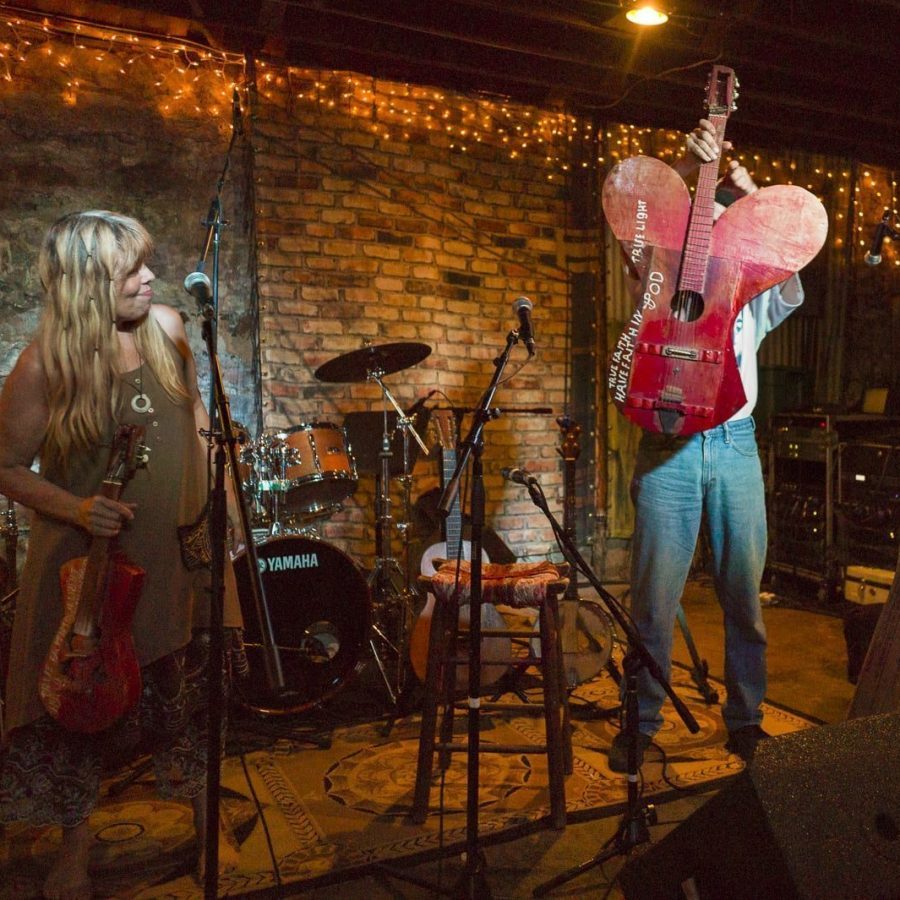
(197, 284)
(519, 476)
(522, 307)
(883, 230)
(873, 254)
(237, 121)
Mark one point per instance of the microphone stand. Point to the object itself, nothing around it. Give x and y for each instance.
(226, 441)
(632, 830)
(472, 884)
(221, 430)
(214, 224)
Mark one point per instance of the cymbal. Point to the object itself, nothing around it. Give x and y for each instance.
(358, 365)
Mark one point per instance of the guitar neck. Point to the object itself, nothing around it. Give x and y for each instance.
(569, 518)
(93, 588)
(569, 498)
(453, 522)
(695, 258)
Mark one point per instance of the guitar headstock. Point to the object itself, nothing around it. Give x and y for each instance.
(721, 91)
(127, 454)
(570, 431)
(443, 427)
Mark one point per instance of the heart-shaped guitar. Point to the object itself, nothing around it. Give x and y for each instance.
(673, 369)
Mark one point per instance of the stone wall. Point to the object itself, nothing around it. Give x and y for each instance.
(115, 141)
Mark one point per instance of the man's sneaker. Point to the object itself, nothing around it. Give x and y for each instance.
(618, 751)
(743, 741)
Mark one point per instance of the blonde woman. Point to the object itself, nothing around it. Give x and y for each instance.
(105, 355)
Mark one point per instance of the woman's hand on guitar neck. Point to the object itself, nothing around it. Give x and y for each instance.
(103, 516)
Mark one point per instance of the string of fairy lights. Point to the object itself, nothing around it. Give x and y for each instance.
(189, 78)
(193, 79)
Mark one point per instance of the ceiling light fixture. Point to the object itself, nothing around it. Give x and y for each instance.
(645, 12)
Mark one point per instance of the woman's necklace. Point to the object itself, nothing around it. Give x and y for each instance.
(140, 402)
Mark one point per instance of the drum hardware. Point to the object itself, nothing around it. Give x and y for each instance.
(297, 475)
(391, 584)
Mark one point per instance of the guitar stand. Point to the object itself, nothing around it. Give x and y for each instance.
(700, 667)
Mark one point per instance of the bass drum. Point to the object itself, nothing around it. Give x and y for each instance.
(320, 610)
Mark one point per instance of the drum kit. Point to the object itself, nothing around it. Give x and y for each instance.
(327, 617)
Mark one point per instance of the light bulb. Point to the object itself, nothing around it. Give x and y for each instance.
(644, 12)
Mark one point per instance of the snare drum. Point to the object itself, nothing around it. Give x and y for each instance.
(321, 473)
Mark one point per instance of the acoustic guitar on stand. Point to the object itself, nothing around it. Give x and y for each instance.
(453, 547)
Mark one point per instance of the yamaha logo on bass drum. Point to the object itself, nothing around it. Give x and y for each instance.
(289, 562)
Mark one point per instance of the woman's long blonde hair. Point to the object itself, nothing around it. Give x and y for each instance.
(83, 262)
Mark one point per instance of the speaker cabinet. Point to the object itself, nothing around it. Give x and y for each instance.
(816, 815)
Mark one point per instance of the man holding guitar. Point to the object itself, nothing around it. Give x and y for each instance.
(716, 470)
(105, 364)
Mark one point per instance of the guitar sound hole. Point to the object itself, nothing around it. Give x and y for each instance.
(687, 306)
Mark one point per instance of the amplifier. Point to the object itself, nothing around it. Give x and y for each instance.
(863, 584)
(812, 435)
(802, 443)
(866, 468)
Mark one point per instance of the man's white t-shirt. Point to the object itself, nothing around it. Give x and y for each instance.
(755, 320)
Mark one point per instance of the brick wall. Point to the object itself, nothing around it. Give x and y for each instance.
(376, 229)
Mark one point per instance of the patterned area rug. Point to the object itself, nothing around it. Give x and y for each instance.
(318, 811)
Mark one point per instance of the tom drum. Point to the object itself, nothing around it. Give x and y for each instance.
(322, 471)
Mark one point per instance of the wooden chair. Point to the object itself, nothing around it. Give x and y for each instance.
(518, 585)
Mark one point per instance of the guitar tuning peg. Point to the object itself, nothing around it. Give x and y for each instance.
(143, 455)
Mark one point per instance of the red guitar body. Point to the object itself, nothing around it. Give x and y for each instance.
(673, 369)
(91, 676)
(89, 684)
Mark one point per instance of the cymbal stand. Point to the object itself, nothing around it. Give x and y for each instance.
(392, 593)
(404, 527)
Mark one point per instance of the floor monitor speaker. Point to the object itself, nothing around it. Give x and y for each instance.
(816, 815)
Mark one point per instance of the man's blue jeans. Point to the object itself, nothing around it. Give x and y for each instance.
(675, 478)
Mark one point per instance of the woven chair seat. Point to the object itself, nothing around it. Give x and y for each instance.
(518, 585)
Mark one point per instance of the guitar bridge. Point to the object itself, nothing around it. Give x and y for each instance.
(672, 351)
(681, 353)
